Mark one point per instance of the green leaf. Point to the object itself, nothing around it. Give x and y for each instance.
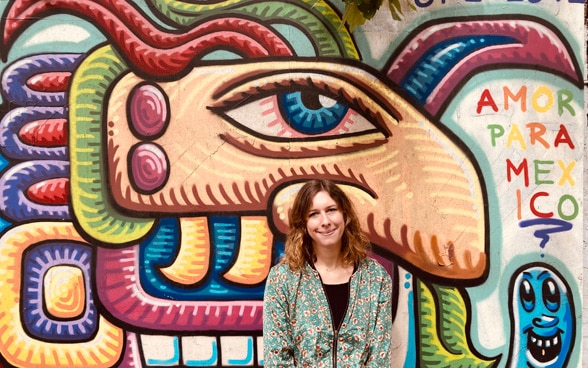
(352, 16)
(358, 11)
(395, 9)
(368, 7)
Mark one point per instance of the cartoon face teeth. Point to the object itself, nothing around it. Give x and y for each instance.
(543, 349)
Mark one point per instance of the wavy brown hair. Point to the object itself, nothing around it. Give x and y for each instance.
(299, 250)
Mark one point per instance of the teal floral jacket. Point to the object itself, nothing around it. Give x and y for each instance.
(297, 324)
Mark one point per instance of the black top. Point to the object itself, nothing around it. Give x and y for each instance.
(338, 297)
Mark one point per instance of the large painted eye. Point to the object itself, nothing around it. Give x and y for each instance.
(282, 109)
(527, 295)
(302, 115)
(551, 295)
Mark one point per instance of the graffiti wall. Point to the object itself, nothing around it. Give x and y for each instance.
(151, 149)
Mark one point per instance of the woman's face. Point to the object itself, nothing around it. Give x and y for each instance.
(325, 222)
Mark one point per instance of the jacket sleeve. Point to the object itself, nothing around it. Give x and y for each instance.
(381, 340)
(277, 333)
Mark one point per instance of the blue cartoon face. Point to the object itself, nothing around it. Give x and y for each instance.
(543, 319)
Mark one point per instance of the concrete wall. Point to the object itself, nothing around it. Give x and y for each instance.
(151, 151)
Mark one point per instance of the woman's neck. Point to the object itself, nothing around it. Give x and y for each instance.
(328, 259)
(332, 267)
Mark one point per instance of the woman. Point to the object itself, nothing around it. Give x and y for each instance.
(326, 304)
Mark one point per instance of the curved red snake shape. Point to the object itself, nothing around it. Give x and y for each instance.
(148, 48)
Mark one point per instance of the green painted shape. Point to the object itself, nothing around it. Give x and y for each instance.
(443, 342)
(93, 212)
(316, 19)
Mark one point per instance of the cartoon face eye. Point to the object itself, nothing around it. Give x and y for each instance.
(282, 109)
(551, 295)
(527, 295)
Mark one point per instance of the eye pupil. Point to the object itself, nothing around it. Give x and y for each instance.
(311, 100)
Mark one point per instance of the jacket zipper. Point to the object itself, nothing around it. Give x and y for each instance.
(336, 331)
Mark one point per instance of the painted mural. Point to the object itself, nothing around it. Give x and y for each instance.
(150, 151)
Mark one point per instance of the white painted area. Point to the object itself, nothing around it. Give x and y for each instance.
(59, 33)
